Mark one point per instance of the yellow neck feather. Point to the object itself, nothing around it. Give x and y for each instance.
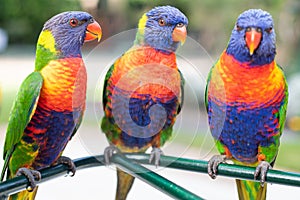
(47, 40)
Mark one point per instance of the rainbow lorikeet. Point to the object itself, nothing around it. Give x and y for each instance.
(143, 89)
(50, 103)
(246, 99)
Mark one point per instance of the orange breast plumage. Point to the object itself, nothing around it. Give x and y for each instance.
(64, 86)
(234, 82)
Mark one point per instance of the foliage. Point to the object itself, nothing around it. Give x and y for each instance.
(23, 19)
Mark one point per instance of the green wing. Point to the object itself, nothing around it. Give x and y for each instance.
(282, 111)
(182, 82)
(106, 92)
(21, 113)
(111, 130)
(206, 88)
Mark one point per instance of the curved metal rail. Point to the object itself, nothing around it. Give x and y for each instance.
(131, 164)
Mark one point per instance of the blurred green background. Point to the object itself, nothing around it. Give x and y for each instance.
(210, 21)
(210, 24)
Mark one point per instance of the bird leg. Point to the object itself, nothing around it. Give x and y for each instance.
(108, 153)
(67, 161)
(213, 164)
(155, 155)
(31, 175)
(262, 169)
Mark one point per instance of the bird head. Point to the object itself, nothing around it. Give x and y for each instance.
(162, 28)
(253, 38)
(65, 33)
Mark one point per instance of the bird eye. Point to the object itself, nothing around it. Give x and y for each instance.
(180, 25)
(269, 30)
(258, 30)
(238, 28)
(161, 22)
(73, 22)
(248, 29)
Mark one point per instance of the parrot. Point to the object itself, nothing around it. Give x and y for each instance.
(143, 90)
(50, 103)
(246, 100)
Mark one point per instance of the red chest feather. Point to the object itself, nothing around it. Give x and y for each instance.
(232, 81)
(147, 71)
(64, 86)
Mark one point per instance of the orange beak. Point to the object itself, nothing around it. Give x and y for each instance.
(253, 38)
(93, 31)
(179, 34)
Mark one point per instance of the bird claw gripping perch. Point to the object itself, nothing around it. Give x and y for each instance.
(155, 155)
(108, 153)
(31, 175)
(213, 164)
(262, 169)
(67, 161)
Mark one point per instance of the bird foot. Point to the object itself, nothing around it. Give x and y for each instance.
(31, 175)
(262, 170)
(155, 155)
(108, 153)
(213, 164)
(69, 162)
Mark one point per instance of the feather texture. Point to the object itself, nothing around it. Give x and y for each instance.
(140, 100)
(143, 89)
(50, 104)
(246, 98)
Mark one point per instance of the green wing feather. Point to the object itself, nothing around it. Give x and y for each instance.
(21, 113)
(111, 131)
(206, 88)
(105, 91)
(182, 82)
(282, 111)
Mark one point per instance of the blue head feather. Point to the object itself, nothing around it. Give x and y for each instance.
(160, 37)
(266, 51)
(69, 39)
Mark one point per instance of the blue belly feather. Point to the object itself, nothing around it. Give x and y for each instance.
(139, 115)
(242, 131)
(56, 129)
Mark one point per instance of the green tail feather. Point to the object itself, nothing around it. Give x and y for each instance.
(24, 195)
(125, 182)
(250, 190)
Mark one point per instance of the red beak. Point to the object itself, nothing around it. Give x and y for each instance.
(179, 34)
(93, 31)
(253, 38)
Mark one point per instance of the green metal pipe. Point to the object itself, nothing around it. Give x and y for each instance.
(17, 184)
(229, 170)
(153, 179)
(235, 171)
